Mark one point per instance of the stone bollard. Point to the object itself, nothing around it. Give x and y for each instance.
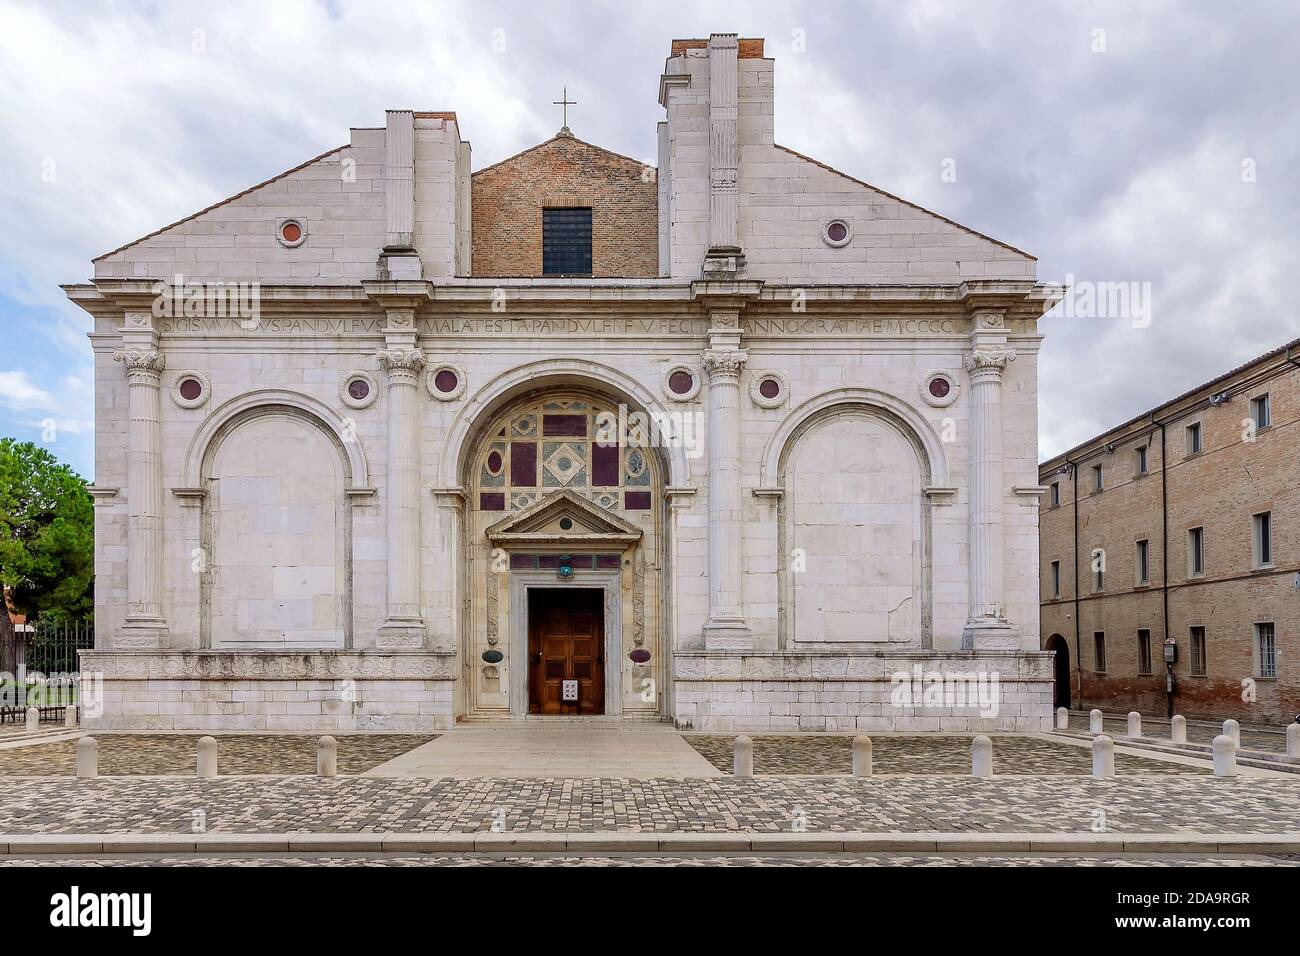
(862, 756)
(1062, 719)
(87, 757)
(1232, 729)
(33, 719)
(1095, 725)
(207, 757)
(70, 715)
(742, 760)
(981, 756)
(327, 757)
(1178, 729)
(1225, 756)
(1293, 740)
(1134, 724)
(1103, 756)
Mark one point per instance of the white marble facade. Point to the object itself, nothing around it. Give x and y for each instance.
(291, 470)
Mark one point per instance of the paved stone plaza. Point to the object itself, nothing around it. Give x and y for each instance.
(699, 860)
(833, 754)
(168, 754)
(1167, 803)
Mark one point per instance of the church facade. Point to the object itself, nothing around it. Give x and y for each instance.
(731, 439)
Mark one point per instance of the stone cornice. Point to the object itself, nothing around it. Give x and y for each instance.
(268, 665)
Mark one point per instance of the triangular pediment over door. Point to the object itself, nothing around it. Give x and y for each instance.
(563, 518)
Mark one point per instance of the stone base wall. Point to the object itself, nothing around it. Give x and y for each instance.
(308, 692)
(939, 692)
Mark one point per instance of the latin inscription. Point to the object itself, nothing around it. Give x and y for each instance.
(795, 326)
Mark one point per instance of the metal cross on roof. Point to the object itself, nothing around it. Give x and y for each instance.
(564, 103)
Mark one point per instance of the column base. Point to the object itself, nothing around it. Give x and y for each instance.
(402, 632)
(990, 634)
(141, 633)
(728, 636)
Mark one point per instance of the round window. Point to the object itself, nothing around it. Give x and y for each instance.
(191, 389)
(494, 463)
(566, 524)
(359, 389)
(446, 380)
(836, 233)
(291, 232)
(940, 387)
(681, 381)
(769, 388)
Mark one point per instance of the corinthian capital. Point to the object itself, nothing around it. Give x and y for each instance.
(724, 365)
(139, 359)
(992, 360)
(402, 361)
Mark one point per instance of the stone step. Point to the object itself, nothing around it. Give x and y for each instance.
(1259, 759)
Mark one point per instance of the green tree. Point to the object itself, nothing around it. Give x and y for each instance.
(47, 540)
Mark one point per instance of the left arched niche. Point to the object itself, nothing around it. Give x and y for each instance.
(275, 532)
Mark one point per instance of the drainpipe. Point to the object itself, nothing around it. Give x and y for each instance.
(1078, 656)
(1164, 562)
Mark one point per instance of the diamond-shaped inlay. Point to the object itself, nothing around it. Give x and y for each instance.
(563, 463)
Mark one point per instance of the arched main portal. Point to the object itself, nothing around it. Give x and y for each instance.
(1061, 647)
(564, 554)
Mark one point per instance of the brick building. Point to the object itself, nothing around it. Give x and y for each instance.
(1211, 479)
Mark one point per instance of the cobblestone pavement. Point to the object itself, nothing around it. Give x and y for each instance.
(1159, 730)
(236, 754)
(1009, 804)
(778, 860)
(833, 753)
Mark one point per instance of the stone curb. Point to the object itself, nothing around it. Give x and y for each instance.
(647, 842)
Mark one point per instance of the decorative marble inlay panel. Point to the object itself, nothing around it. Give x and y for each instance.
(566, 442)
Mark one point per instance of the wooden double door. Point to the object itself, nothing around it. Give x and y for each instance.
(566, 643)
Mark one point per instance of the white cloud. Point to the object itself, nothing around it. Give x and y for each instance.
(17, 391)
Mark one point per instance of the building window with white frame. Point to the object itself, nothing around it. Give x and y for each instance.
(1143, 562)
(1141, 460)
(1263, 530)
(1197, 635)
(1266, 650)
(1054, 497)
(1193, 439)
(1098, 479)
(1196, 551)
(1144, 650)
(1261, 412)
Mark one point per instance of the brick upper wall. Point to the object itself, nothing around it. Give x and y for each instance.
(508, 199)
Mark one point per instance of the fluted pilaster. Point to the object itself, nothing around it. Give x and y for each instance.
(144, 619)
(987, 625)
(726, 627)
(404, 625)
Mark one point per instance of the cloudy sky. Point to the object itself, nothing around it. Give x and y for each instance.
(1155, 143)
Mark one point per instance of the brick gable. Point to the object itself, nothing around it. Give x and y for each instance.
(508, 199)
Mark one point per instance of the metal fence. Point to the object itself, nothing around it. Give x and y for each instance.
(52, 647)
(48, 673)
